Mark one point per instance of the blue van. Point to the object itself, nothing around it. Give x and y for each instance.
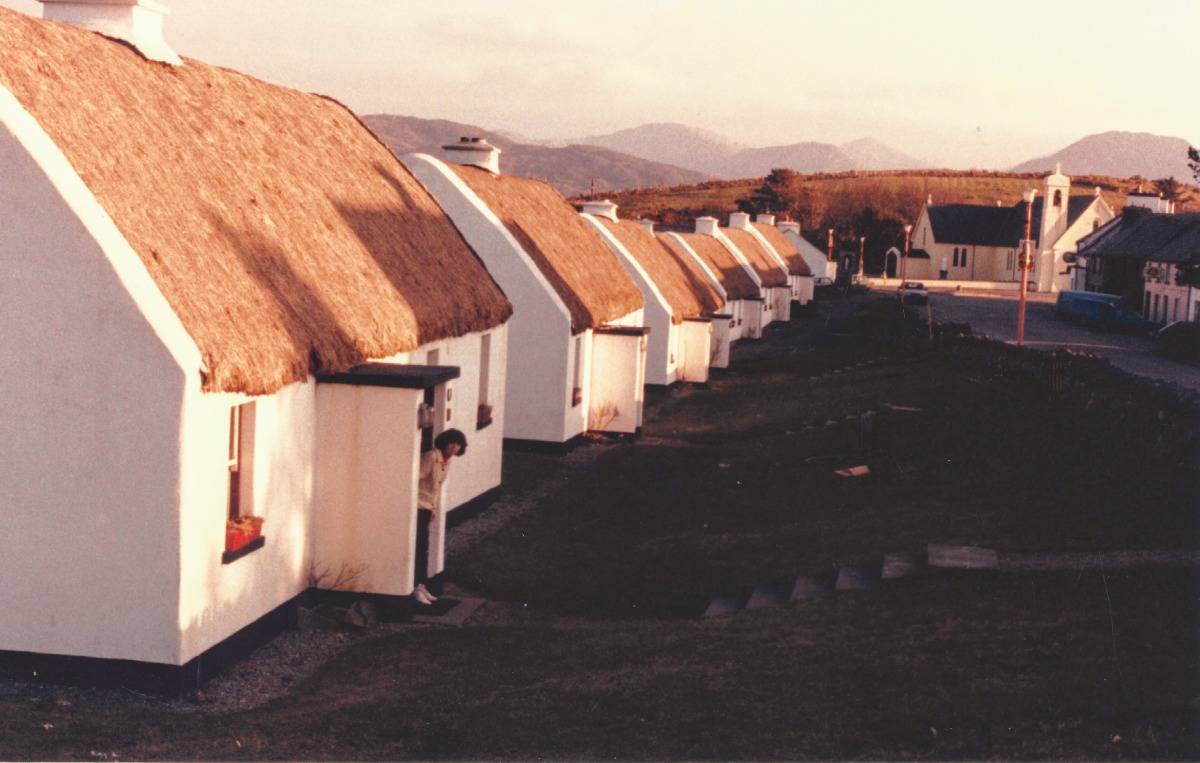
(1106, 311)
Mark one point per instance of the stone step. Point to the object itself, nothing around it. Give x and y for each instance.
(724, 605)
(769, 595)
(901, 565)
(811, 586)
(962, 557)
(857, 578)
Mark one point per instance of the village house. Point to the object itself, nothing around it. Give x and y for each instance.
(577, 341)
(232, 321)
(680, 301)
(981, 243)
(824, 269)
(743, 301)
(800, 275)
(1150, 258)
(768, 269)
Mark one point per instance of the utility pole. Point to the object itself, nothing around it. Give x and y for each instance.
(904, 259)
(1026, 265)
(862, 248)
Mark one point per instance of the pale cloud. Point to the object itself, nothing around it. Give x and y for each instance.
(961, 83)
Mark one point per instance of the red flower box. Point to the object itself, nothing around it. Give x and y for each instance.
(239, 532)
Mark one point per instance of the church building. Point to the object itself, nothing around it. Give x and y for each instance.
(978, 242)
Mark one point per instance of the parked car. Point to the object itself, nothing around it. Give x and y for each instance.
(912, 293)
(1104, 311)
(1180, 341)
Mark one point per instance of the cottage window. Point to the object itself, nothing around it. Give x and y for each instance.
(577, 374)
(243, 531)
(484, 415)
(955, 260)
(964, 257)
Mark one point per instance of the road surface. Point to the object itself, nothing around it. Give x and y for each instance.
(995, 315)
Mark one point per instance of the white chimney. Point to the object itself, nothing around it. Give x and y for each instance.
(137, 22)
(647, 224)
(765, 219)
(706, 225)
(473, 152)
(603, 208)
(793, 228)
(739, 221)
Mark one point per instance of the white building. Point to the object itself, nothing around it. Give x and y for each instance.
(980, 242)
(818, 262)
(577, 341)
(766, 267)
(680, 301)
(743, 299)
(199, 270)
(800, 276)
(1150, 258)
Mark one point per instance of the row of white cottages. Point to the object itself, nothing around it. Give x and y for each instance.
(226, 299)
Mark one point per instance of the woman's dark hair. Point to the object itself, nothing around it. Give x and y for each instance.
(451, 437)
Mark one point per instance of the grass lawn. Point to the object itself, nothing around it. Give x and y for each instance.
(996, 666)
(734, 486)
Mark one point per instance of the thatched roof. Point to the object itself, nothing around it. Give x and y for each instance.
(732, 276)
(768, 270)
(570, 254)
(786, 249)
(288, 239)
(685, 287)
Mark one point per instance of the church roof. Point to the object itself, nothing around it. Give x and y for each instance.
(1146, 236)
(983, 225)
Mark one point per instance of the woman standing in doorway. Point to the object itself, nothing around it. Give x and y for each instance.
(435, 464)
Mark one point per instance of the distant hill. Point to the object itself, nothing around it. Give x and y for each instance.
(1121, 154)
(670, 142)
(570, 169)
(870, 154)
(801, 157)
(889, 192)
(713, 154)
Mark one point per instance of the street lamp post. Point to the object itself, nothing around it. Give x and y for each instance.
(862, 248)
(1026, 264)
(829, 246)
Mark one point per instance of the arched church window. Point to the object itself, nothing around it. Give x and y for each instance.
(1058, 198)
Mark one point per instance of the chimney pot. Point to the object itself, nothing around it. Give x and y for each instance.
(137, 22)
(647, 224)
(765, 219)
(739, 220)
(789, 227)
(473, 152)
(706, 225)
(603, 208)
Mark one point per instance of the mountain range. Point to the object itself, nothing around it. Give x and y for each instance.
(670, 154)
(1120, 154)
(572, 169)
(707, 152)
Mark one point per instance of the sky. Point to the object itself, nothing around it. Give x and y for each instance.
(954, 83)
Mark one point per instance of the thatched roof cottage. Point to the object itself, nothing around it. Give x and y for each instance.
(680, 300)
(216, 290)
(577, 357)
(768, 268)
(800, 275)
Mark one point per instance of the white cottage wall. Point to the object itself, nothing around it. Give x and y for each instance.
(216, 600)
(696, 349)
(540, 344)
(478, 471)
(91, 387)
(617, 382)
(661, 360)
(368, 447)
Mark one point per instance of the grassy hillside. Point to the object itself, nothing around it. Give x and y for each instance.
(896, 193)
